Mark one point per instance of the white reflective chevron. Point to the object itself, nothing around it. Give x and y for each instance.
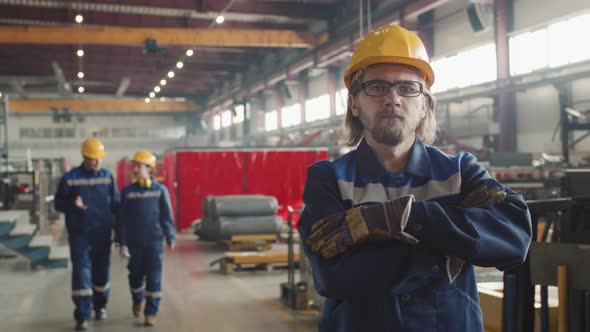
(102, 289)
(153, 294)
(88, 182)
(147, 194)
(376, 192)
(137, 290)
(81, 292)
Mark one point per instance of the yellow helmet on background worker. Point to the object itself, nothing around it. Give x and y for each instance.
(145, 157)
(390, 44)
(93, 149)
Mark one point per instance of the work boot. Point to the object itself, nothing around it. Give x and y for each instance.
(150, 320)
(137, 310)
(81, 325)
(100, 314)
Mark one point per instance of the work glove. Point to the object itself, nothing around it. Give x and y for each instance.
(335, 234)
(486, 193)
(124, 252)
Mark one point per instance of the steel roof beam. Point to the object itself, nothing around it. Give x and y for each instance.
(165, 37)
(101, 105)
(275, 13)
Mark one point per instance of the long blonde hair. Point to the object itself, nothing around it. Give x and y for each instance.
(426, 130)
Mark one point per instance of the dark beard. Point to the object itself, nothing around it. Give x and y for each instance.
(391, 136)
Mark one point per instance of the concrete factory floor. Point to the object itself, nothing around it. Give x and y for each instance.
(196, 297)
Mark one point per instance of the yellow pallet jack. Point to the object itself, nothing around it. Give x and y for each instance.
(249, 242)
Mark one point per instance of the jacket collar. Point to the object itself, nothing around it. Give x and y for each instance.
(371, 168)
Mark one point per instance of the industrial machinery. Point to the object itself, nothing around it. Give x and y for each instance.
(554, 260)
(30, 185)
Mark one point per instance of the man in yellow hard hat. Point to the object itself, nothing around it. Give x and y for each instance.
(394, 228)
(89, 198)
(144, 220)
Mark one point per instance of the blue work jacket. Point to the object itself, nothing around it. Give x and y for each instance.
(145, 216)
(395, 286)
(98, 192)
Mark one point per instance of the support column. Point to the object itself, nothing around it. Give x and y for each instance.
(332, 78)
(303, 93)
(505, 102)
(280, 102)
(564, 102)
(247, 124)
(6, 180)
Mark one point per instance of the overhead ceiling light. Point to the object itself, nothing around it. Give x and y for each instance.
(220, 19)
(157, 89)
(0, 94)
(189, 52)
(80, 52)
(162, 82)
(79, 18)
(80, 74)
(80, 89)
(152, 94)
(179, 64)
(170, 74)
(147, 100)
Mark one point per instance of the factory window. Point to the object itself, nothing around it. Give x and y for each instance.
(341, 101)
(271, 121)
(47, 132)
(564, 41)
(291, 115)
(317, 108)
(528, 52)
(239, 114)
(64, 132)
(94, 132)
(226, 119)
(470, 67)
(558, 36)
(557, 45)
(123, 132)
(217, 122)
(173, 132)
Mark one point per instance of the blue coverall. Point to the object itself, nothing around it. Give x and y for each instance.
(145, 218)
(89, 234)
(395, 286)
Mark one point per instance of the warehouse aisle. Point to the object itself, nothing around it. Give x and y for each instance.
(196, 297)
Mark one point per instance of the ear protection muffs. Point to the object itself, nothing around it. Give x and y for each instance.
(145, 183)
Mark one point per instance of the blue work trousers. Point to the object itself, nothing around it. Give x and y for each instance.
(146, 264)
(91, 260)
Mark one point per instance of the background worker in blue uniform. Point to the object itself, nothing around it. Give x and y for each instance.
(145, 218)
(394, 228)
(89, 198)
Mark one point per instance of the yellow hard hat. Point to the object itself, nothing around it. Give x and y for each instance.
(390, 44)
(93, 149)
(145, 157)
